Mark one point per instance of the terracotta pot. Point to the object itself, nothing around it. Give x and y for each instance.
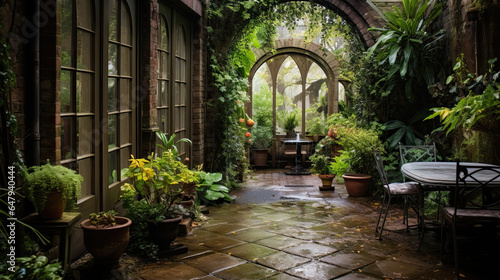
(326, 181)
(106, 245)
(357, 184)
(260, 157)
(164, 232)
(54, 206)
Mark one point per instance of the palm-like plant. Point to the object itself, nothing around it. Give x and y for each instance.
(406, 48)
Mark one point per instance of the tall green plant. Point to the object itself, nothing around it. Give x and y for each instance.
(407, 47)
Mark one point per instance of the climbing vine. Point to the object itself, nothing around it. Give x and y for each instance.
(235, 27)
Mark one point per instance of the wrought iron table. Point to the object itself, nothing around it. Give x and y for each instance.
(298, 169)
(439, 174)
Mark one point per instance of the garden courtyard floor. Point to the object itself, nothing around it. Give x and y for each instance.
(283, 227)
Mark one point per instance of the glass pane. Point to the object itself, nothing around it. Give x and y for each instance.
(85, 52)
(126, 27)
(66, 32)
(84, 90)
(181, 44)
(177, 118)
(113, 59)
(84, 168)
(112, 91)
(113, 22)
(67, 131)
(125, 65)
(84, 139)
(66, 92)
(125, 94)
(182, 70)
(164, 34)
(124, 157)
(112, 125)
(176, 94)
(163, 65)
(113, 167)
(85, 16)
(167, 66)
(183, 94)
(162, 119)
(125, 129)
(182, 117)
(177, 69)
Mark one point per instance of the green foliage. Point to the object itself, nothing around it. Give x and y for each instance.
(262, 137)
(359, 143)
(156, 181)
(139, 212)
(33, 268)
(326, 146)
(39, 181)
(407, 48)
(103, 219)
(404, 131)
(291, 121)
(340, 164)
(208, 191)
(317, 126)
(476, 110)
(320, 164)
(171, 144)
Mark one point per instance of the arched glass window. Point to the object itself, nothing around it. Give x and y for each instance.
(78, 80)
(288, 95)
(120, 124)
(174, 94)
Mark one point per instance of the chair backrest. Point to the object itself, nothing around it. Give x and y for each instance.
(379, 163)
(413, 153)
(477, 186)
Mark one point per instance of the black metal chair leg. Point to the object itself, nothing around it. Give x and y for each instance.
(385, 217)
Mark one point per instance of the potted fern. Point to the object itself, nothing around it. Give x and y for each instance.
(52, 188)
(106, 236)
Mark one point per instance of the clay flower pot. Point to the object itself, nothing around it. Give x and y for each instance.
(326, 181)
(164, 232)
(106, 244)
(357, 184)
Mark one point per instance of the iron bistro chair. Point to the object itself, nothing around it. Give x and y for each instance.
(476, 202)
(411, 192)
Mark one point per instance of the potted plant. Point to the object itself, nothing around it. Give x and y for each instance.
(262, 139)
(156, 182)
(51, 188)
(339, 165)
(290, 123)
(359, 144)
(317, 127)
(106, 236)
(320, 165)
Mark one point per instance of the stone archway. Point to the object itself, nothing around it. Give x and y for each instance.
(360, 14)
(313, 51)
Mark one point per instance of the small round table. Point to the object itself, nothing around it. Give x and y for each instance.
(298, 169)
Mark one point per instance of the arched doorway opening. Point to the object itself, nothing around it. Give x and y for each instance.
(298, 79)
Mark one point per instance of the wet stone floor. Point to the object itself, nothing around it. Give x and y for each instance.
(283, 227)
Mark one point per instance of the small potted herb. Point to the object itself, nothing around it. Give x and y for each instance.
(52, 188)
(321, 167)
(106, 236)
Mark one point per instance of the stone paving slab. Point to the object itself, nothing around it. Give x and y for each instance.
(316, 235)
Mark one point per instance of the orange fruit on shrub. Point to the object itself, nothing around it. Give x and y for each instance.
(250, 122)
(242, 120)
(248, 134)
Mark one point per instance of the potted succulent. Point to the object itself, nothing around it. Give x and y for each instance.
(156, 181)
(320, 165)
(359, 144)
(52, 188)
(262, 139)
(106, 236)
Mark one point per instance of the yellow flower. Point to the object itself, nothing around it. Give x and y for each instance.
(148, 173)
(137, 162)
